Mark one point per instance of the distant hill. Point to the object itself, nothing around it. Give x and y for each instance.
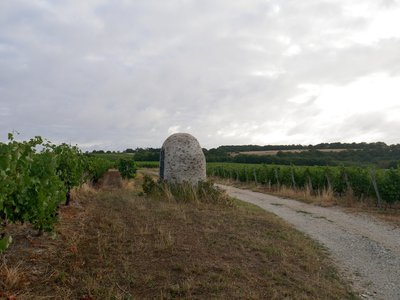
(324, 154)
(336, 145)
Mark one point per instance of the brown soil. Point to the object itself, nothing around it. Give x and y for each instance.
(367, 251)
(117, 244)
(112, 179)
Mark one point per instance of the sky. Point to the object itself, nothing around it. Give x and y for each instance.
(124, 74)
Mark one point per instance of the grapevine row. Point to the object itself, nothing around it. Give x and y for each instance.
(362, 182)
(37, 176)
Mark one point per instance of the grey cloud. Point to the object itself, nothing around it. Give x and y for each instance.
(374, 123)
(388, 4)
(340, 66)
(115, 75)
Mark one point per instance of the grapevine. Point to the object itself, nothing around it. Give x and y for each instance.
(341, 180)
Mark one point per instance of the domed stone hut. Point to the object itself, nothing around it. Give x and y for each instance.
(182, 160)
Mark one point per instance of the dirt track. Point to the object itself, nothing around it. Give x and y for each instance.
(366, 251)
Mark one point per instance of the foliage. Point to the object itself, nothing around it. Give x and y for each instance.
(350, 154)
(139, 154)
(390, 189)
(149, 185)
(343, 154)
(127, 168)
(148, 154)
(45, 192)
(5, 242)
(340, 180)
(30, 187)
(36, 177)
(114, 157)
(70, 165)
(148, 164)
(97, 167)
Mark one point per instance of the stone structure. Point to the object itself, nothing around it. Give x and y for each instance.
(182, 160)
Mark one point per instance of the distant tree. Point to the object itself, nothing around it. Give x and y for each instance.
(98, 151)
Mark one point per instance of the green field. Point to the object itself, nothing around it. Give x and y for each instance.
(148, 164)
(113, 156)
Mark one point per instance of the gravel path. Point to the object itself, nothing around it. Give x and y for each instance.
(366, 251)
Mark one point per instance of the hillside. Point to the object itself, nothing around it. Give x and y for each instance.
(325, 154)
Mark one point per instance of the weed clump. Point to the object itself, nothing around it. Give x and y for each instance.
(204, 192)
(149, 186)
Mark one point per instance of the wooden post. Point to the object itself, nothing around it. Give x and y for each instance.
(277, 178)
(68, 197)
(329, 182)
(310, 184)
(293, 181)
(378, 195)
(255, 176)
(346, 178)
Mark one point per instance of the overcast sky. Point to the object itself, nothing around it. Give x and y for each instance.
(118, 74)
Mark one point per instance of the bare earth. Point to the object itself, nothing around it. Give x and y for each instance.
(366, 250)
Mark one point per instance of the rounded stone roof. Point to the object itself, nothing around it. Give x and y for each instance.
(181, 139)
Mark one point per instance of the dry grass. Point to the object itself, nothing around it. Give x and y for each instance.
(11, 276)
(116, 244)
(326, 198)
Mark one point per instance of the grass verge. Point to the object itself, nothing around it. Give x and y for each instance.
(349, 203)
(121, 244)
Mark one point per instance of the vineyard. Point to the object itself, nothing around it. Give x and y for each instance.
(148, 164)
(361, 182)
(37, 176)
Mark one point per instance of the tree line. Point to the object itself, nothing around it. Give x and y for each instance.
(352, 154)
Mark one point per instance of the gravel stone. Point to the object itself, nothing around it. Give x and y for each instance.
(366, 250)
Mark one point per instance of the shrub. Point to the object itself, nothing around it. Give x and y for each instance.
(97, 167)
(149, 185)
(127, 168)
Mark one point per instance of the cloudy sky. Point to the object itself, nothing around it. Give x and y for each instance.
(118, 74)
